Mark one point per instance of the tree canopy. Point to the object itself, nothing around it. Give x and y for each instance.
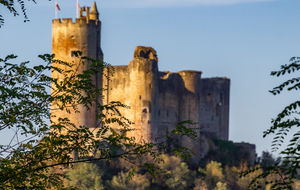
(25, 107)
(10, 5)
(42, 140)
(286, 169)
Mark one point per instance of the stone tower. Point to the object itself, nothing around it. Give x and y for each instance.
(82, 35)
(214, 109)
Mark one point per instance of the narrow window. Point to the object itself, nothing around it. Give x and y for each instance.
(144, 115)
(140, 97)
(209, 98)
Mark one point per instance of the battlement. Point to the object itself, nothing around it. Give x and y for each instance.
(90, 19)
(83, 33)
(79, 22)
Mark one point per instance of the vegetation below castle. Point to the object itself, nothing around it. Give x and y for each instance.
(180, 175)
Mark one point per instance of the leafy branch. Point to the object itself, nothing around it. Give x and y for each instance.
(26, 106)
(284, 122)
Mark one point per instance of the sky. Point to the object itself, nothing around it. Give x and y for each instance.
(243, 40)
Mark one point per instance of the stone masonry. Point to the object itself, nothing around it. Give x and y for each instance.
(158, 100)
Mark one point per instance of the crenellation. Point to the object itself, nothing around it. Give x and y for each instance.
(56, 21)
(66, 21)
(79, 22)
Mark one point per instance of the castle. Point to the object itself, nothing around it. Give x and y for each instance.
(158, 100)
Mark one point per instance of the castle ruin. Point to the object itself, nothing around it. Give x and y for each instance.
(158, 100)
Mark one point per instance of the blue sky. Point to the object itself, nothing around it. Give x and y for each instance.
(243, 40)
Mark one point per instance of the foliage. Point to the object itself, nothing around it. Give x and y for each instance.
(170, 162)
(244, 181)
(10, 5)
(85, 176)
(26, 106)
(121, 182)
(231, 176)
(200, 184)
(221, 186)
(213, 174)
(282, 124)
(181, 178)
(267, 159)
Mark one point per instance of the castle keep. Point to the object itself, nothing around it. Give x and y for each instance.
(158, 100)
(82, 35)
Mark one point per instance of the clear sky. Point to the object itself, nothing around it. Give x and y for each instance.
(243, 40)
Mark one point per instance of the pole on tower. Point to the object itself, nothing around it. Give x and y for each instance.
(77, 9)
(55, 9)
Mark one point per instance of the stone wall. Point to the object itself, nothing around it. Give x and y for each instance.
(249, 150)
(159, 100)
(214, 107)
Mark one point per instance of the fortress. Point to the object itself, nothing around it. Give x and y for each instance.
(158, 100)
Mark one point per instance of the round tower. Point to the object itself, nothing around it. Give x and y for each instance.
(191, 80)
(190, 105)
(142, 93)
(82, 35)
(191, 95)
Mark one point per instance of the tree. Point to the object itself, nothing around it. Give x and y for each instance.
(221, 186)
(282, 124)
(213, 174)
(267, 159)
(232, 177)
(85, 176)
(43, 140)
(25, 108)
(10, 5)
(200, 184)
(121, 182)
(181, 178)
